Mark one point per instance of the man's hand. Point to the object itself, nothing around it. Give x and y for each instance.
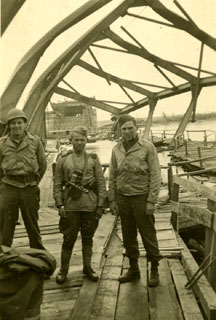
(98, 213)
(114, 208)
(62, 212)
(150, 208)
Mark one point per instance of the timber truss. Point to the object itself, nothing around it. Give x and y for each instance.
(49, 81)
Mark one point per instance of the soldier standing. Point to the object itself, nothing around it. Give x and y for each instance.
(22, 166)
(79, 193)
(134, 184)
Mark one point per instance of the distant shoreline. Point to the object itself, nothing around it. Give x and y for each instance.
(166, 119)
(177, 118)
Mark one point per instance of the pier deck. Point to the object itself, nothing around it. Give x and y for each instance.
(80, 299)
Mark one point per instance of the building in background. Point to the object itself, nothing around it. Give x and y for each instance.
(68, 114)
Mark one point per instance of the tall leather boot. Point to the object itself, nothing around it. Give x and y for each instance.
(154, 275)
(87, 269)
(65, 262)
(133, 272)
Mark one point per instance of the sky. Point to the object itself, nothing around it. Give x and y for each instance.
(32, 22)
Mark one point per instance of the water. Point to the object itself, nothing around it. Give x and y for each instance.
(103, 148)
(209, 125)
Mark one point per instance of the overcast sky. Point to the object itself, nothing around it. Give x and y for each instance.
(36, 17)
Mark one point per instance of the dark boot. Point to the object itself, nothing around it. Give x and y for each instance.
(132, 274)
(65, 261)
(154, 275)
(87, 269)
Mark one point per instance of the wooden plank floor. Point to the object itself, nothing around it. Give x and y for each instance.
(80, 299)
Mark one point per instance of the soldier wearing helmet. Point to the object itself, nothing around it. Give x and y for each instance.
(22, 166)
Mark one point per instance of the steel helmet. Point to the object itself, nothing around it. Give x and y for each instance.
(16, 113)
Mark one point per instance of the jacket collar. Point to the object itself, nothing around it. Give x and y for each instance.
(22, 145)
(136, 146)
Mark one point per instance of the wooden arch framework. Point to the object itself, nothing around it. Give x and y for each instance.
(48, 83)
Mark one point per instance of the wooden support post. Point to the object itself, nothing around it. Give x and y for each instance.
(210, 247)
(178, 142)
(127, 94)
(186, 148)
(175, 197)
(197, 88)
(152, 105)
(200, 156)
(152, 137)
(188, 136)
(98, 64)
(205, 139)
(175, 148)
(165, 76)
(170, 181)
(187, 114)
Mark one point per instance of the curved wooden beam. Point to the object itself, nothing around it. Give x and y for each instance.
(87, 100)
(181, 23)
(142, 52)
(204, 82)
(8, 11)
(26, 66)
(126, 83)
(44, 87)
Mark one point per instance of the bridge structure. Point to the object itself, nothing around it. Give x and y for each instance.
(186, 290)
(179, 78)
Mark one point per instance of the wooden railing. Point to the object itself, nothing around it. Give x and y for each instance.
(204, 216)
(205, 291)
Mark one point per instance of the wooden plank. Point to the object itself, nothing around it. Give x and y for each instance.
(175, 197)
(85, 300)
(163, 303)
(105, 302)
(57, 310)
(186, 297)
(84, 303)
(191, 173)
(207, 192)
(60, 294)
(200, 215)
(202, 289)
(75, 281)
(133, 297)
(210, 247)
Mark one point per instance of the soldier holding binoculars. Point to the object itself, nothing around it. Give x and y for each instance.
(79, 193)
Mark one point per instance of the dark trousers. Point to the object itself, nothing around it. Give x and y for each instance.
(132, 210)
(27, 200)
(74, 222)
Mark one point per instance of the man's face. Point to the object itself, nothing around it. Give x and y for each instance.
(17, 127)
(78, 142)
(128, 130)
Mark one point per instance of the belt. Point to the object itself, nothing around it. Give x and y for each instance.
(21, 178)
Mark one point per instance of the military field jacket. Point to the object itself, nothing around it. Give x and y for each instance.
(64, 170)
(26, 159)
(135, 172)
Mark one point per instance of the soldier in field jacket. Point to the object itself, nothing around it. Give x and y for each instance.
(134, 184)
(22, 166)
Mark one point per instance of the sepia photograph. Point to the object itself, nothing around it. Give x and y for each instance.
(108, 160)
